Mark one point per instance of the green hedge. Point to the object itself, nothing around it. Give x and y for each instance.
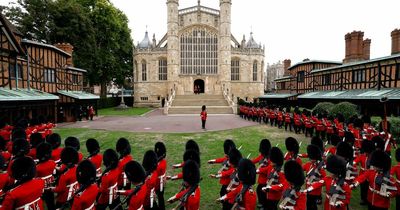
(323, 107)
(345, 108)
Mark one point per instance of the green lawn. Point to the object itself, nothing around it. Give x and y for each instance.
(123, 112)
(211, 147)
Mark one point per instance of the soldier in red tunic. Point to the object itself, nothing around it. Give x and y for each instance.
(4, 176)
(55, 141)
(136, 175)
(85, 197)
(124, 149)
(74, 143)
(292, 197)
(189, 196)
(395, 172)
(346, 151)
(292, 147)
(161, 152)
(26, 192)
(150, 165)
(108, 186)
(367, 147)
(264, 162)
(36, 139)
(93, 149)
(188, 155)
(190, 145)
(45, 170)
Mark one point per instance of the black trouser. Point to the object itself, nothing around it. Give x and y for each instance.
(312, 202)
(397, 202)
(271, 204)
(309, 131)
(288, 124)
(112, 206)
(280, 123)
(271, 120)
(48, 198)
(203, 124)
(364, 191)
(262, 198)
(160, 196)
(225, 205)
(370, 207)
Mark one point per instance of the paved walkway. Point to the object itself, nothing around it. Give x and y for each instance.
(156, 122)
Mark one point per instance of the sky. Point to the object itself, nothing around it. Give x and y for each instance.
(289, 29)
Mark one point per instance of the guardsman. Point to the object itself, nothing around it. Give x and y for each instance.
(74, 143)
(45, 170)
(136, 175)
(228, 145)
(85, 197)
(395, 172)
(93, 148)
(292, 147)
(161, 152)
(381, 184)
(243, 196)
(124, 149)
(4, 132)
(280, 117)
(3, 150)
(36, 139)
(293, 198)
(297, 123)
(320, 126)
(264, 162)
(26, 192)
(188, 155)
(189, 196)
(190, 145)
(55, 141)
(4, 176)
(346, 151)
(108, 196)
(275, 176)
(362, 159)
(150, 165)
(330, 128)
(288, 119)
(66, 184)
(314, 172)
(334, 141)
(20, 148)
(338, 192)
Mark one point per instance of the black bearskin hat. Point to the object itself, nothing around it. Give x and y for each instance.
(160, 150)
(378, 142)
(3, 143)
(294, 173)
(367, 146)
(135, 172)
(228, 145)
(69, 156)
(335, 139)
(380, 159)
(292, 145)
(191, 172)
(192, 145)
(110, 158)
(276, 156)
(92, 146)
(54, 139)
(18, 133)
(349, 137)
(2, 163)
(398, 154)
(345, 150)
(314, 153)
(366, 119)
(336, 165)
(23, 169)
(265, 147)
(43, 151)
(318, 142)
(20, 147)
(22, 123)
(358, 123)
(123, 147)
(72, 142)
(247, 172)
(34, 121)
(86, 173)
(191, 155)
(36, 139)
(234, 157)
(150, 161)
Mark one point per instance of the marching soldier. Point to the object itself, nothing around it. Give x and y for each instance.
(150, 166)
(136, 175)
(4, 176)
(85, 197)
(20, 148)
(74, 143)
(228, 145)
(26, 192)
(334, 141)
(190, 145)
(161, 152)
(275, 176)
(264, 162)
(367, 147)
(55, 141)
(93, 148)
(395, 172)
(188, 155)
(124, 149)
(35, 140)
(293, 198)
(45, 170)
(108, 186)
(292, 147)
(346, 151)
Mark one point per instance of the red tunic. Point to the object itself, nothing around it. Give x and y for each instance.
(56, 154)
(136, 202)
(221, 160)
(45, 171)
(26, 195)
(225, 176)
(301, 200)
(193, 201)
(32, 153)
(361, 160)
(203, 115)
(257, 159)
(275, 193)
(150, 183)
(96, 160)
(5, 134)
(249, 200)
(290, 156)
(85, 200)
(308, 168)
(263, 173)
(6, 155)
(3, 181)
(67, 185)
(395, 172)
(108, 187)
(161, 169)
(123, 180)
(329, 182)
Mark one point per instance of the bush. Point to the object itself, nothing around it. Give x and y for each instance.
(323, 107)
(395, 127)
(347, 109)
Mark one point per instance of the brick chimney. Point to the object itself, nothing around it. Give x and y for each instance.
(366, 49)
(395, 41)
(354, 46)
(286, 65)
(68, 48)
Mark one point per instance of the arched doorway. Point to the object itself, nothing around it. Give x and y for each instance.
(198, 86)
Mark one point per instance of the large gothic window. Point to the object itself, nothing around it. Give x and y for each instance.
(199, 47)
(162, 69)
(144, 71)
(235, 66)
(255, 71)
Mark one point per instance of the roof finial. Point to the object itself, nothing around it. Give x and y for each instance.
(146, 28)
(251, 30)
(198, 2)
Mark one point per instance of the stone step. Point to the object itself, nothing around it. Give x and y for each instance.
(197, 102)
(197, 110)
(199, 96)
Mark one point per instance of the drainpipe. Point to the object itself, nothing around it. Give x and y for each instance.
(28, 69)
(16, 73)
(379, 76)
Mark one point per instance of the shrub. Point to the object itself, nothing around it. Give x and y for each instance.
(395, 127)
(323, 107)
(347, 109)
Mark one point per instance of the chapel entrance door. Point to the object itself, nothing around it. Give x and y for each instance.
(198, 86)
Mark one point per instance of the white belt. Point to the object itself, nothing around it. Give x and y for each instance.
(140, 208)
(90, 207)
(112, 191)
(28, 205)
(71, 190)
(162, 182)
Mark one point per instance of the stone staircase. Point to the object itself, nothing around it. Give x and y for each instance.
(191, 104)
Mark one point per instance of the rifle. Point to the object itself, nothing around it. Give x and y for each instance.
(239, 197)
(129, 196)
(386, 184)
(350, 171)
(314, 174)
(337, 193)
(69, 202)
(225, 165)
(185, 197)
(273, 177)
(289, 198)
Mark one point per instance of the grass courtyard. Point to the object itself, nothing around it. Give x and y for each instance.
(124, 112)
(210, 146)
